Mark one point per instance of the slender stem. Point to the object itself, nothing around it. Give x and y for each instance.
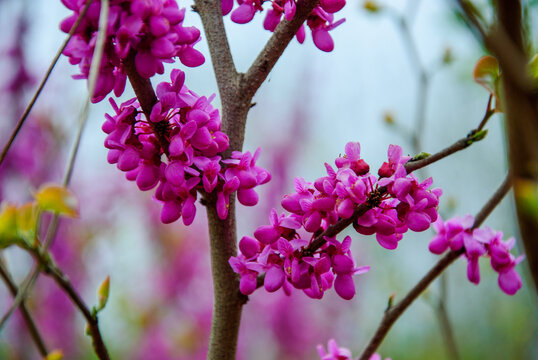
(28, 320)
(444, 320)
(219, 48)
(267, 58)
(461, 144)
(63, 282)
(92, 81)
(393, 313)
(489, 112)
(26, 112)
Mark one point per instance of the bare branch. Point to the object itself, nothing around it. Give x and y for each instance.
(219, 48)
(393, 313)
(284, 32)
(63, 282)
(30, 324)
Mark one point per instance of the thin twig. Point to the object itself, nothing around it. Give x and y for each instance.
(361, 209)
(26, 112)
(444, 320)
(393, 313)
(267, 58)
(92, 80)
(50, 269)
(28, 320)
(489, 112)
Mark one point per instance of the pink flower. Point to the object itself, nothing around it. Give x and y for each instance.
(334, 352)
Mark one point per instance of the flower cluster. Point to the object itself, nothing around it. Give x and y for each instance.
(320, 20)
(458, 233)
(334, 352)
(152, 30)
(186, 128)
(390, 205)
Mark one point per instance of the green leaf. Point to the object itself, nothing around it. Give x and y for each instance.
(487, 73)
(102, 293)
(27, 218)
(8, 225)
(57, 199)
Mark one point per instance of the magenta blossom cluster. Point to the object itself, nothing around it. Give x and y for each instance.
(334, 352)
(184, 128)
(394, 204)
(320, 20)
(458, 233)
(152, 31)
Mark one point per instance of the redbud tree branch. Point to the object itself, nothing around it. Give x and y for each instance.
(50, 269)
(29, 107)
(267, 58)
(393, 313)
(28, 320)
(410, 166)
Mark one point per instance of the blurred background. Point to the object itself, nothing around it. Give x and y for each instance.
(369, 89)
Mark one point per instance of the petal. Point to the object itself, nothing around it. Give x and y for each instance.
(226, 6)
(389, 242)
(247, 284)
(266, 234)
(473, 270)
(274, 278)
(247, 197)
(438, 244)
(344, 286)
(418, 221)
(509, 281)
(342, 264)
(191, 57)
(243, 14)
(147, 177)
(171, 211)
(249, 247)
(128, 159)
(323, 40)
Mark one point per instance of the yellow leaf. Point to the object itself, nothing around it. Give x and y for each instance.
(487, 73)
(371, 6)
(57, 199)
(103, 292)
(55, 355)
(8, 225)
(27, 216)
